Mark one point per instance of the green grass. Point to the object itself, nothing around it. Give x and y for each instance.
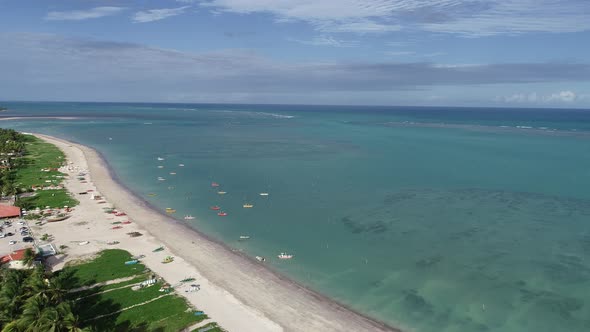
(39, 155)
(53, 198)
(165, 314)
(215, 328)
(89, 292)
(105, 303)
(109, 265)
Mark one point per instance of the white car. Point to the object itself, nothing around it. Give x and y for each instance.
(2, 235)
(12, 242)
(21, 222)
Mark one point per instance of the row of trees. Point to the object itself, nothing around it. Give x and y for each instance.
(12, 147)
(31, 301)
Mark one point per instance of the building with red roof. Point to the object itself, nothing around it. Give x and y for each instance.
(7, 211)
(14, 260)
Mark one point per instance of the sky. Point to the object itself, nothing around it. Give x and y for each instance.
(499, 53)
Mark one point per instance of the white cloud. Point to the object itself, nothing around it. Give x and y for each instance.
(399, 53)
(79, 15)
(325, 40)
(463, 17)
(157, 14)
(561, 97)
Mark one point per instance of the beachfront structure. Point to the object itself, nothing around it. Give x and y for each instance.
(14, 260)
(7, 211)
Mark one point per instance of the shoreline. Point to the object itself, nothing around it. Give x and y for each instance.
(263, 292)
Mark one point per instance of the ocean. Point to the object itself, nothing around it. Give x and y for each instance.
(429, 219)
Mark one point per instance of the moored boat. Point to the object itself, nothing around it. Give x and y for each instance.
(222, 214)
(260, 259)
(158, 249)
(284, 256)
(263, 194)
(214, 184)
(222, 192)
(188, 217)
(161, 178)
(181, 165)
(215, 208)
(248, 206)
(244, 237)
(160, 158)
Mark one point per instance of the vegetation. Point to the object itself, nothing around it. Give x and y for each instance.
(109, 265)
(31, 300)
(27, 162)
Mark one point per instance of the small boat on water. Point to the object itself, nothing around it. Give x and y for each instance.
(248, 206)
(222, 214)
(215, 208)
(160, 166)
(152, 194)
(244, 237)
(181, 165)
(263, 194)
(158, 249)
(222, 192)
(170, 210)
(214, 184)
(160, 158)
(188, 217)
(161, 178)
(260, 259)
(284, 256)
(172, 173)
(168, 259)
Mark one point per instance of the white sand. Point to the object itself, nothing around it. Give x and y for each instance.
(238, 293)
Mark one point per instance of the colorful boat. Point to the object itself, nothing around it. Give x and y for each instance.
(126, 222)
(152, 194)
(168, 259)
(117, 227)
(120, 214)
(215, 208)
(248, 206)
(158, 249)
(222, 214)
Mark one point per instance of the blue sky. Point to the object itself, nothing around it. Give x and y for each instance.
(527, 53)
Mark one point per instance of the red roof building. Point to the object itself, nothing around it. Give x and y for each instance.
(9, 211)
(17, 255)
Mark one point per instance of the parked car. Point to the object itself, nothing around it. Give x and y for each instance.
(9, 234)
(21, 223)
(28, 239)
(12, 242)
(2, 235)
(24, 229)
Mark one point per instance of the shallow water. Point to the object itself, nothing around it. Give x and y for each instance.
(428, 225)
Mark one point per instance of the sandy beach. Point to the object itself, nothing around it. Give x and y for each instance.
(237, 292)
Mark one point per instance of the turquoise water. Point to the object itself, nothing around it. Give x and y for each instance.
(429, 219)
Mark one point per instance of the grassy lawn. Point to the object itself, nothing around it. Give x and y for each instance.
(110, 264)
(88, 292)
(105, 303)
(53, 198)
(214, 328)
(39, 155)
(167, 314)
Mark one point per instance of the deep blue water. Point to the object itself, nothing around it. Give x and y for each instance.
(438, 219)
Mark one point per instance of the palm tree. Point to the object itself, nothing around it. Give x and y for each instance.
(31, 318)
(29, 257)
